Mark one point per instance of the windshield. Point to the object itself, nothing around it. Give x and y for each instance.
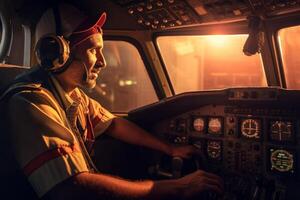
(196, 63)
(290, 51)
(125, 84)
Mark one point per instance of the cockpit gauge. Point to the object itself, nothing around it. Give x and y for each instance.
(198, 124)
(251, 128)
(215, 125)
(281, 130)
(214, 150)
(282, 161)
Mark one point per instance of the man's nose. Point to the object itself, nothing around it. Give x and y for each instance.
(101, 63)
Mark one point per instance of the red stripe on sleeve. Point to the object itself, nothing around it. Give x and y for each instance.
(47, 156)
(90, 137)
(95, 121)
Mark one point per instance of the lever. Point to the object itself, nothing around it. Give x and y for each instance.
(156, 170)
(176, 167)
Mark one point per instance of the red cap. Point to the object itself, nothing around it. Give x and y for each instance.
(76, 26)
(86, 29)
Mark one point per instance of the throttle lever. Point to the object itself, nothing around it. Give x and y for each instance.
(177, 163)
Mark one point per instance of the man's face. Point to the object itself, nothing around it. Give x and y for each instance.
(88, 61)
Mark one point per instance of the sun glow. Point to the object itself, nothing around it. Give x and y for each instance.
(218, 40)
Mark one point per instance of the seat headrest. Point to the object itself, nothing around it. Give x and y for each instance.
(9, 72)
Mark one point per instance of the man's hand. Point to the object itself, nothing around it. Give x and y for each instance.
(186, 151)
(198, 182)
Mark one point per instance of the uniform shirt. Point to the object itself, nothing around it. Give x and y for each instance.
(45, 146)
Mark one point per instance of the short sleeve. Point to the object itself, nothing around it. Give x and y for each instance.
(44, 147)
(100, 117)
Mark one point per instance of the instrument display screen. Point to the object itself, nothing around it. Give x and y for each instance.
(282, 161)
(198, 124)
(281, 131)
(215, 125)
(250, 128)
(214, 150)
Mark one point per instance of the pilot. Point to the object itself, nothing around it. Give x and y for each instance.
(52, 123)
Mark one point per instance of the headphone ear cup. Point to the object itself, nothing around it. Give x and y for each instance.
(52, 52)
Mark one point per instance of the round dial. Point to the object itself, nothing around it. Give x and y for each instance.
(281, 130)
(214, 149)
(250, 128)
(282, 160)
(198, 124)
(214, 125)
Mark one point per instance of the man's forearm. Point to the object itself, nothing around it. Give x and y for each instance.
(99, 186)
(128, 132)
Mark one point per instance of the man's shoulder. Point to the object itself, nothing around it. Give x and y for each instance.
(30, 92)
(18, 88)
(25, 86)
(27, 82)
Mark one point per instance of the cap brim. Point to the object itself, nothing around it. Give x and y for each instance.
(91, 22)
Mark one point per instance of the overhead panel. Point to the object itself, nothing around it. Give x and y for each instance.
(165, 14)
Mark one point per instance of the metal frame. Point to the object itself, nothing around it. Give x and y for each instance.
(6, 36)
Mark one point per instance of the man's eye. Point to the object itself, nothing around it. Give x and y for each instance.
(93, 51)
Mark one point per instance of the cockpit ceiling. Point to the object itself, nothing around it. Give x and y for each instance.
(164, 14)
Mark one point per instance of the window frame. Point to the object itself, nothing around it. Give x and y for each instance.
(280, 56)
(273, 26)
(7, 33)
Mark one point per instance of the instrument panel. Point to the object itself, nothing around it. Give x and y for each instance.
(238, 141)
(248, 136)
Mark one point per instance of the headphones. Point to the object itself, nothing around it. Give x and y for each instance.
(52, 52)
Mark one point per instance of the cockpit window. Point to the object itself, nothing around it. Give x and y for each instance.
(289, 43)
(124, 84)
(196, 63)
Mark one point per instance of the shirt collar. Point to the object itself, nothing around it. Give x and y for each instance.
(66, 99)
